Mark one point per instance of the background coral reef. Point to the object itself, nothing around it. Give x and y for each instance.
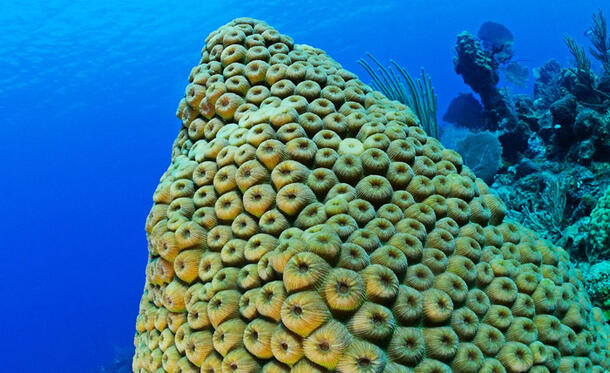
(555, 140)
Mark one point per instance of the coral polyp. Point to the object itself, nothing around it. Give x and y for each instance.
(308, 224)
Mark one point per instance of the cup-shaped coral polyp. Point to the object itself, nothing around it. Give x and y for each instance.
(306, 223)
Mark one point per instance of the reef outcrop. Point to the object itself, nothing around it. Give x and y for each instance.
(308, 224)
(479, 69)
(555, 141)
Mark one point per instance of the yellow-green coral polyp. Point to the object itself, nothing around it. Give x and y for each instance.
(308, 224)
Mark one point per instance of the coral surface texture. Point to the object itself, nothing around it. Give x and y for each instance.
(308, 224)
(600, 225)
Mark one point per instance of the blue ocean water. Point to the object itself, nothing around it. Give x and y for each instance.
(88, 92)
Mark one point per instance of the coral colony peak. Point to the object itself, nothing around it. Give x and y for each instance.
(307, 223)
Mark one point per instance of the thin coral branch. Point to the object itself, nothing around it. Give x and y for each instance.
(583, 63)
(400, 86)
(431, 101)
(598, 35)
(377, 76)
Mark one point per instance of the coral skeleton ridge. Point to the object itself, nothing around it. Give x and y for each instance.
(308, 224)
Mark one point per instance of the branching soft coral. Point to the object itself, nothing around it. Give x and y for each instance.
(417, 94)
(587, 87)
(583, 63)
(598, 35)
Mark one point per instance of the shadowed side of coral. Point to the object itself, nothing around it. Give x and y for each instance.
(482, 152)
(307, 223)
(121, 361)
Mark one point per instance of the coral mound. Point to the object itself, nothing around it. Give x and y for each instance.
(308, 224)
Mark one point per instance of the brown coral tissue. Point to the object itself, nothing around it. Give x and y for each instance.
(308, 224)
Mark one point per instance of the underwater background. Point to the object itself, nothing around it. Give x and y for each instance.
(88, 93)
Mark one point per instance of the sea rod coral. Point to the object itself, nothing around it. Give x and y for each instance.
(308, 224)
